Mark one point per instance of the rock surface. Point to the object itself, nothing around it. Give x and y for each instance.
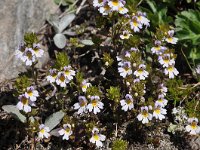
(16, 18)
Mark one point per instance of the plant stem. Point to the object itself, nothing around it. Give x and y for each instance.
(186, 59)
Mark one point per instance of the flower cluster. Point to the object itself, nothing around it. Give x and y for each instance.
(125, 66)
(66, 132)
(138, 20)
(166, 57)
(29, 55)
(27, 99)
(107, 6)
(159, 111)
(94, 106)
(61, 77)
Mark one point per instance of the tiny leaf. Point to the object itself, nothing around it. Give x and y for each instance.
(59, 40)
(87, 42)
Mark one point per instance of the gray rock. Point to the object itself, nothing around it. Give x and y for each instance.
(16, 18)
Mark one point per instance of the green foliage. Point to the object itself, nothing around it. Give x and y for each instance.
(79, 77)
(107, 59)
(188, 26)
(13, 110)
(175, 92)
(113, 94)
(75, 42)
(30, 38)
(53, 120)
(21, 83)
(193, 108)
(119, 144)
(158, 14)
(62, 60)
(93, 90)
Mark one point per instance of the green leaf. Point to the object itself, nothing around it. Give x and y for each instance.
(188, 26)
(62, 60)
(157, 13)
(59, 40)
(12, 109)
(53, 120)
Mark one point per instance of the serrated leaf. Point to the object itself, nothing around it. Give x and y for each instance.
(87, 42)
(65, 21)
(53, 120)
(59, 40)
(12, 109)
(188, 26)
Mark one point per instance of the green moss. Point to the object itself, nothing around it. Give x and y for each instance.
(62, 60)
(113, 94)
(119, 144)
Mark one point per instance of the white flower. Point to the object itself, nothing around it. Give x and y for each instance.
(28, 57)
(44, 131)
(135, 25)
(175, 110)
(61, 79)
(81, 105)
(158, 49)
(170, 38)
(20, 51)
(125, 69)
(159, 112)
(97, 138)
(127, 103)
(197, 69)
(85, 85)
(24, 103)
(166, 61)
(123, 10)
(125, 35)
(53, 75)
(98, 3)
(38, 52)
(144, 116)
(171, 71)
(115, 4)
(161, 101)
(31, 93)
(162, 90)
(105, 10)
(69, 72)
(141, 72)
(141, 17)
(66, 132)
(193, 128)
(95, 104)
